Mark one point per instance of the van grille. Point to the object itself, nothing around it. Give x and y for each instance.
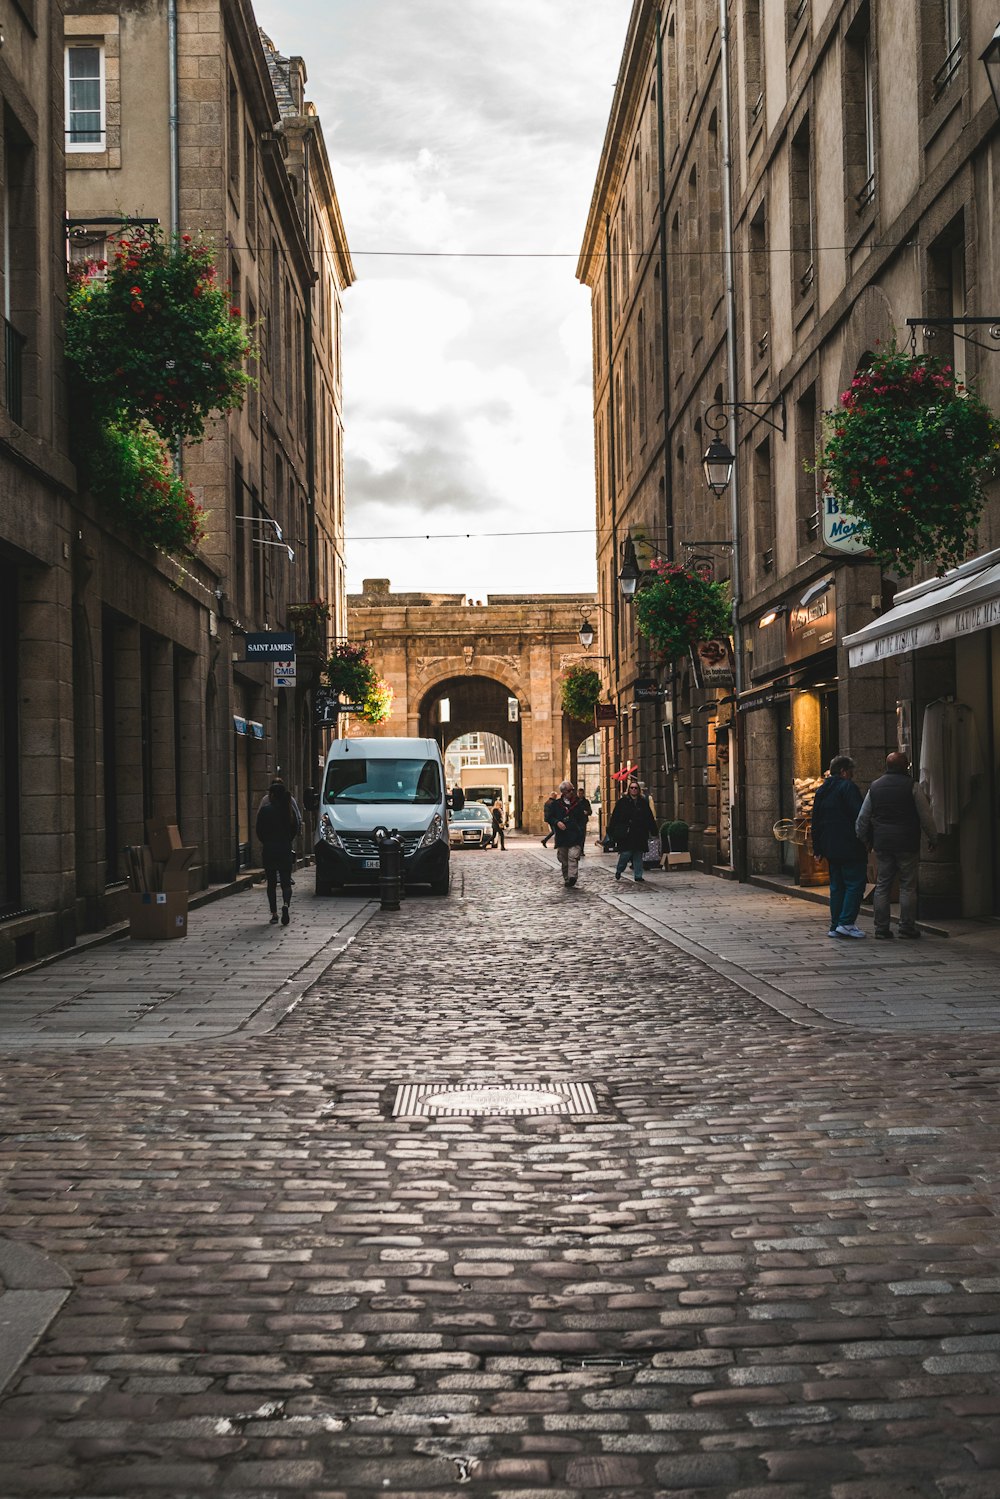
(364, 846)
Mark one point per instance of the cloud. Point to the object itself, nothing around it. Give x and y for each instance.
(464, 127)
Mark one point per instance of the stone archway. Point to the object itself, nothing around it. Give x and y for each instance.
(518, 644)
(479, 704)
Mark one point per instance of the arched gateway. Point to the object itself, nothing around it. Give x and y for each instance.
(484, 659)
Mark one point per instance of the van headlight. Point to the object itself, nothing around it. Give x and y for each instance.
(329, 833)
(434, 832)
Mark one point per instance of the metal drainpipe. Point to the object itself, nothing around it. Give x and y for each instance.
(611, 483)
(174, 122)
(668, 487)
(737, 787)
(310, 384)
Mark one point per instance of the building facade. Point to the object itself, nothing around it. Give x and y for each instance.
(844, 191)
(123, 684)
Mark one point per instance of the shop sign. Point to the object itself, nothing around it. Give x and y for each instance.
(648, 690)
(255, 730)
(239, 724)
(327, 705)
(712, 663)
(270, 646)
(283, 673)
(605, 714)
(812, 627)
(840, 527)
(767, 697)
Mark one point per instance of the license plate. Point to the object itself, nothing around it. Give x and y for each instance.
(370, 864)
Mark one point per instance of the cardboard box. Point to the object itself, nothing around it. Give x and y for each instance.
(173, 875)
(163, 838)
(678, 859)
(157, 915)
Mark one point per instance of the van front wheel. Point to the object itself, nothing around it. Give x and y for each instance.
(441, 886)
(324, 885)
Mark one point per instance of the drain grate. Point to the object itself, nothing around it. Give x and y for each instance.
(450, 1100)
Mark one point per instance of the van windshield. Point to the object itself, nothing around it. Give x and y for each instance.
(405, 781)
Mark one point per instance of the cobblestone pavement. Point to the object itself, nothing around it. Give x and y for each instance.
(768, 1265)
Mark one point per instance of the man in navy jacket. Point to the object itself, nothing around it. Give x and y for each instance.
(835, 813)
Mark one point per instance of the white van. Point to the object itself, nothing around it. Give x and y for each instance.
(373, 784)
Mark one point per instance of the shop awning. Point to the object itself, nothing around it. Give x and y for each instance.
(965, 600)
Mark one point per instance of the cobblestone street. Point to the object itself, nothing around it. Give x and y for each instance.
(768, 1264)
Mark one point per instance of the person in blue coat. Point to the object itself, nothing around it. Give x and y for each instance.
(835, 812)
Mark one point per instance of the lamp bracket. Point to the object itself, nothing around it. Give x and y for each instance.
(929, 326)
(716, 418)
(690, 546)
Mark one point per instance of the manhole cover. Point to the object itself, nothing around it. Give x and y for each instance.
(447, 1100)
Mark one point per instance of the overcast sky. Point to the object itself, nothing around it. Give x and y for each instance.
(463, 125)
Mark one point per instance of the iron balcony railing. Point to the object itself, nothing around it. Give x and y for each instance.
(13, 352)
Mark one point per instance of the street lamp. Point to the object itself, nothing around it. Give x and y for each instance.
(718, 465)
(990, 59)
(586, 634)
(628, 578)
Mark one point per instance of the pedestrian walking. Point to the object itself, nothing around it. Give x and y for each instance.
(588, 813)
(835, 814)
(456, 799)
(498, 816)
(566, 818)
(631, 827)
(891, 819)
(549, 804)
(278, 824)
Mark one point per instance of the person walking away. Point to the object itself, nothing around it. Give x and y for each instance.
(631, 827)
(588, 813)
(549, 804)
(891, 819)
(566, 818)
(456, 799)
(278, 825)
(497, 810)
(835, 813)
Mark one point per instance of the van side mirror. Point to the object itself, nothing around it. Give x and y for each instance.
(310, 799)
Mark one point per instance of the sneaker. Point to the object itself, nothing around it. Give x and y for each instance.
(638, 882)
(910, 932)
(274, 918)
(284, 916)
(617, 874)
(833, 932)
(849, 931)
(884, 936)
(572, 880)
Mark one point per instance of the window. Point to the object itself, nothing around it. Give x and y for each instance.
(801, 186)
(233, 132)
(952, 45)
(859, 117)
(763, 508)
(759, 271)
(250, 191)
(85, 112)
(753, 65)
(946, 293)
(808, 483)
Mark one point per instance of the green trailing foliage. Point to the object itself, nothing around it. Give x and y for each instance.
(675, 608)
(580, 692)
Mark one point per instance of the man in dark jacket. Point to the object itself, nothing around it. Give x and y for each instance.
(835, 812)
(278, 824)
(568, 821)
(891, 819)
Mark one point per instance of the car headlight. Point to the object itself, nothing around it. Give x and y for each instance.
(434, 832)
(329, 833)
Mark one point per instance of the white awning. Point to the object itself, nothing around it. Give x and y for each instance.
(965, 600)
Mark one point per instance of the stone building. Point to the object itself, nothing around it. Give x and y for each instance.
(39, 543)
(863, 139)
(123, 688)
(203, 126)
(494, 668)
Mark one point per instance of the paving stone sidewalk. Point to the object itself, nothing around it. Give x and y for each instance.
(776, 947)
(767, 1266)
(232, 972)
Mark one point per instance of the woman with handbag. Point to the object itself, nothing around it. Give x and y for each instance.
(631, 827)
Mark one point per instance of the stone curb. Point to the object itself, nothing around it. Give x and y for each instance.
(33, 1287)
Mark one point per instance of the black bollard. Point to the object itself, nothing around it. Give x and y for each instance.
(390, 869)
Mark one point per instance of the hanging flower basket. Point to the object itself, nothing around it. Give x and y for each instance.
(377, 702)
(152, 337)
(130, 472)
(309, 623)
(907, 454)
(580, 691)
(677, 607)
(350, 673)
